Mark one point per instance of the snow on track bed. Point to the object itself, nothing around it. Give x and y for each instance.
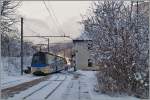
(67, 86)
(77, 89)
(47, 91)
(55, 88)
(37, 90)
(10, 81)
(43, 90)
(10, 91)
(81, 87)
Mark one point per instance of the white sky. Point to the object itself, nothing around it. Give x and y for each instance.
(64, 11)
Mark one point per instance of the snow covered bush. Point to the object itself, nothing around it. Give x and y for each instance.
(119, 31)
(11, 65)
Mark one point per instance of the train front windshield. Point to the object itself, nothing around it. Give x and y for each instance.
(38, 60)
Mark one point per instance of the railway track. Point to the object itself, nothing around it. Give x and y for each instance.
(30, 94)
(49, 87)
(17, 80)
(49, 94)
(9, 92)
(32, 89)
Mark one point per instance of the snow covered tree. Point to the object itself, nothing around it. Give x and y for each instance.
(8, 15)
(120, 45)
(7, 23)
(10, 39)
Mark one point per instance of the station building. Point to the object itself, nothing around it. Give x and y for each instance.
(81, 54)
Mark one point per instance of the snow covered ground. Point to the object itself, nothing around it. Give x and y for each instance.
(67, 86)
(89, 78)
(10, 81)
(10, 72)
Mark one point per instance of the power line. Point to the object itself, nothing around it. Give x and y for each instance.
(56, 18)
(53, 15)
(47, 36)
(49, 12)
(44, 37)
(29, 28)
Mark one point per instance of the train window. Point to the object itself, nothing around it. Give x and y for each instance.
(38, 59)
(50, 59)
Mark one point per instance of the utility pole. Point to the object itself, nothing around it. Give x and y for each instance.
(137, 12)
(64, 53)
(48, 45)
(21, 46)
(40, 48)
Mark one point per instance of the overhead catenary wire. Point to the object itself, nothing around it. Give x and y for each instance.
(56, 18)
(42, 36)
(52, 14)
(47, 9)
(36, 33)
(58, 23)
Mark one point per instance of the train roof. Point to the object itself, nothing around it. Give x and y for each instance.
(48, 53)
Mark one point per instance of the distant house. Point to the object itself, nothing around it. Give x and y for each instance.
(81, 54)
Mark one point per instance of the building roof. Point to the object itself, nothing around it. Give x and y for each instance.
(81, 40)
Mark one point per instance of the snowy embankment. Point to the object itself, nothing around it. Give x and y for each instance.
(77, 86)
(89, 77)
(11, 81)
(41, 90)
(11, 66)
(10, 73)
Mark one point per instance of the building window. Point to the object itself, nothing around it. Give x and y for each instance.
(89, 63)
(89, 46)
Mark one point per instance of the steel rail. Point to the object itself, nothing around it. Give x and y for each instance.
(55, 88)
(25, 97)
